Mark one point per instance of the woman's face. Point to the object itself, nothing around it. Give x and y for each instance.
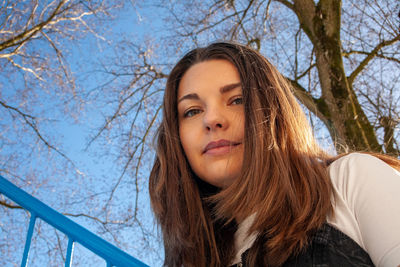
(211, 121)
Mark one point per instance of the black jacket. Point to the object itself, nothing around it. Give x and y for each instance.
(329, 247)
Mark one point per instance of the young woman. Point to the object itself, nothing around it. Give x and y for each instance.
(238, 178)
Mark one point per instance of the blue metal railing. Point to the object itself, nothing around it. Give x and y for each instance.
(75, 233)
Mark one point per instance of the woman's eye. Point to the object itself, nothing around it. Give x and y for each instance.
(237, 100)
(191, 112)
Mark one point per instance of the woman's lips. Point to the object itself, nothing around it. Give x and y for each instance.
(220, 147)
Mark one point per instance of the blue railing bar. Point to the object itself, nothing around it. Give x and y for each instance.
(73, 230)
(29, 234)
(109, 264)
(70, 251)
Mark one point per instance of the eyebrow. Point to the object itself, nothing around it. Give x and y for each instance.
(229, 87)
(224, 89)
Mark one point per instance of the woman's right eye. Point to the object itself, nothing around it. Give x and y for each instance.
(191, 112)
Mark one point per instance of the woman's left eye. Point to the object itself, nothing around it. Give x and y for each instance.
(237, 100)
(191, 112)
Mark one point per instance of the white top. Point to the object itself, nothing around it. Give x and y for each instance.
(366, 207)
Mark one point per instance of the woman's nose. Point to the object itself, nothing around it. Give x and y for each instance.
(214, 118)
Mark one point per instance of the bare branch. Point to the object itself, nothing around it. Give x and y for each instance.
(31, 122)
(29, 33)
(141, 156)
(305, 72)
(24, 68)
(380, 55)
(86, 216)
(307, 100)
(210, 26)
(286, 3)
(370, 56)
(60, 60)
(240, 22)
(10, 206)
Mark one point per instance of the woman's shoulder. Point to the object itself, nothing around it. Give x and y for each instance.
(360, 164)
(356, 174)
(367, 187)
(359, 158)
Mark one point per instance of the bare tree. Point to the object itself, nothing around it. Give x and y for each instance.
(38, 88)
(341, 58)
(35, 36)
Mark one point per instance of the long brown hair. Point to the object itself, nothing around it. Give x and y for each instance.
(284, 176)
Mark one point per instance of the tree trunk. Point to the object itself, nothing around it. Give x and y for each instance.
(344, 117)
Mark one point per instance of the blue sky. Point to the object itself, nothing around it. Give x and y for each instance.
(132, 23)
(89, 180)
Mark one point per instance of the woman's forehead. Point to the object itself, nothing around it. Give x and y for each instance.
(220, 74)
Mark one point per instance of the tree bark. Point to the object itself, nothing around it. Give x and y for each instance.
(343, 115)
